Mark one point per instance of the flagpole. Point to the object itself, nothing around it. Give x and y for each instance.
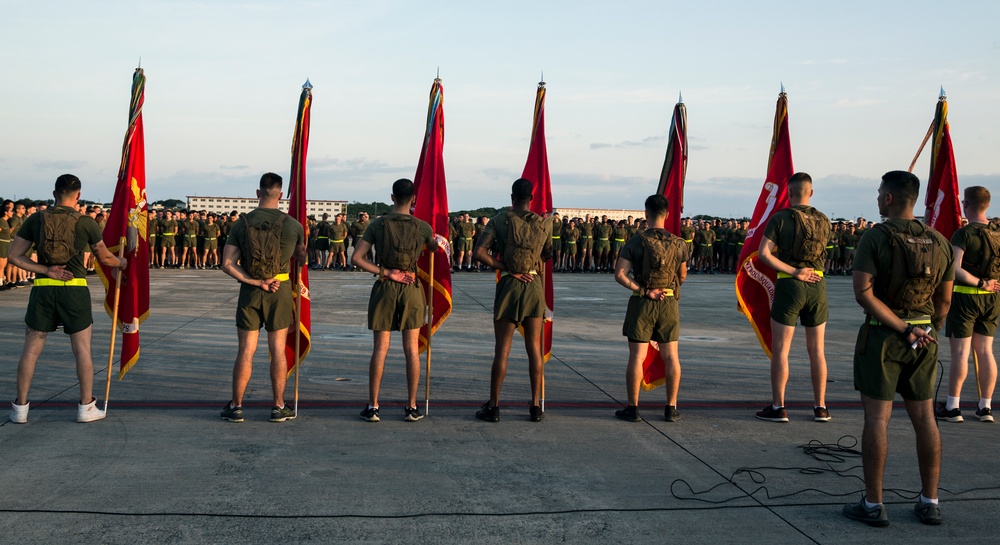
(541, 399)
(920, 150)
(114, 324)
(298, 334)
(430, 333)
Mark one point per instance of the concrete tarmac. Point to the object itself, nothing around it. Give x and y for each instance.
(164, 468)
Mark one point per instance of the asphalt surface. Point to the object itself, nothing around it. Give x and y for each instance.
(164, 468)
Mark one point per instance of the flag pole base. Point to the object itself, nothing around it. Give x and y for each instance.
(427, 406)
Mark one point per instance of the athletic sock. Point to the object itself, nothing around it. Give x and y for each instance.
(869, 505)
(984, 403)
(952, 403)
(928, 500)
(777, 408)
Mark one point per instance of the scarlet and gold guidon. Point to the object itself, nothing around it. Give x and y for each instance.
(755, 280)
(431, 205)
(671, 186)
(943, 212)
(302, 326)
(128, 219)
(536, 169)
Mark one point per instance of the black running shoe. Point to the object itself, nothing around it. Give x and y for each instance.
(773, 415)
(821, 414)
(941, 412)
(232, 414)
(412, 414)
(370, 414)
(984, 414)
(928, 513)
(671, 414)
(537, 414)
(487, 413)
(280, 414)
(628, 414)
(872, 517)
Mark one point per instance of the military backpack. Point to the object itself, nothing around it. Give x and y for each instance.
(661, 259)
(262, 248)
(989, 267)
(401, 242)
(525, 239)
(58, 236)
(914, 276)
(812, 231)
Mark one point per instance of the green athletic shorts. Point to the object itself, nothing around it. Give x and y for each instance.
(516, 300)
(51, 305)
(556, 244)
(647, 320)
(972, 313)
(884, 364)
(323, 244)
(211, 244)
(256, 308)
(396, 307)
(168, 241)
(337, 247)
(796, 299)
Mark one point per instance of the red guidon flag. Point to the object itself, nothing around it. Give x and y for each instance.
(536, 169)
(672, 187)
(302, 326)
(431, 205)
(754, 280)
(128, 218)
(943, 212)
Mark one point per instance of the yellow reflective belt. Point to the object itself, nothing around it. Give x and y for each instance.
(282, 277)
(619, 240)
(338, 241)
(971, 290)
(689, 240)
(923, 320)
(531, 272)
(786, 275)
(322, 238)
(53, 282)
(668, 292)
(168, 234)
(602, 239)
(829, 247)
(5, 240)
(213, 238)
(555, 237)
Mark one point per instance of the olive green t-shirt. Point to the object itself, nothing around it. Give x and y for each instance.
(87, 233)
(874, 255)
(292, 233)
(5, 231)
(781, 230)
(971, 242)
(212, 230)
(338, 231)
(375, 232)
(168, 227)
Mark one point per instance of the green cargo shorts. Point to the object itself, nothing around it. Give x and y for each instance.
(516, 300)
(884, 364)
(972, 313)
(49, 306)
(648, 320)
(396, 307)
(256, 308)
(796, 299)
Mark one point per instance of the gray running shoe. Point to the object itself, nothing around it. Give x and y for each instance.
(232, 414)
(871, 517)
(280, 414)
(929, 513)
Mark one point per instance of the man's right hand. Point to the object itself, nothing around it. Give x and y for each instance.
(270, 286)
(59, 272)
(403, 277)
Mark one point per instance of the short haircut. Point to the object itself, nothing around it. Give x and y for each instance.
(402, 189)
(903, 186)
(796, 184)
(270, 183)
(657, 205)
(521, 190)
(66, 185)
(978, 197)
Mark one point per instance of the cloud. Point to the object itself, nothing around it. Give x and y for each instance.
(356, 168)
(649, 140)
(59, 165)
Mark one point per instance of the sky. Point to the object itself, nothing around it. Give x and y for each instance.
(224, 77)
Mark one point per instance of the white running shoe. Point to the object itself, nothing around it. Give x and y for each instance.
(19, 413)
(89, 412)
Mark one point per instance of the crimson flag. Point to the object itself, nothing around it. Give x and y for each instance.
(128, 219)
(671, 186)
(536, 169)
(302, 326)
(943, 212)
(754, 280)
(431, 205)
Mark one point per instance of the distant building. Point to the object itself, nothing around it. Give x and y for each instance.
(225, 205)
(614, 214)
